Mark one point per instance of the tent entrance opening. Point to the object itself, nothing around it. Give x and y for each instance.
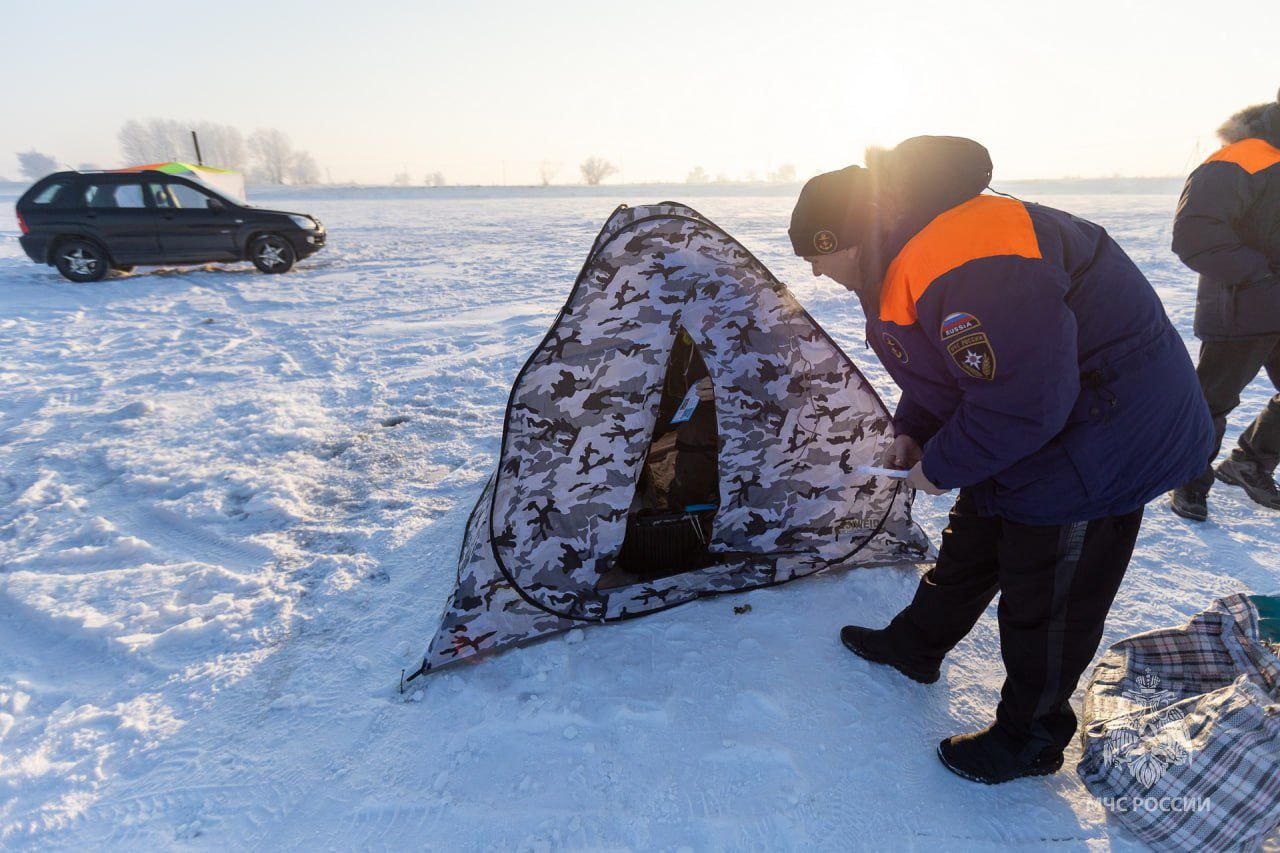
(669, 524)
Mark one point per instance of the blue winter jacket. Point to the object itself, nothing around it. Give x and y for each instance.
(1038, 368)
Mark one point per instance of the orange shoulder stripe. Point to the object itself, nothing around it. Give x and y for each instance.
(983, 227)
(1252, 155)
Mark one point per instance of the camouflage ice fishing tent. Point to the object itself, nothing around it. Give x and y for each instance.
(792, 418)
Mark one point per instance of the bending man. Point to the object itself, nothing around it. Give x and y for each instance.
(1041, 378)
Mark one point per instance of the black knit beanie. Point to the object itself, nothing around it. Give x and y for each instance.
(834, 212)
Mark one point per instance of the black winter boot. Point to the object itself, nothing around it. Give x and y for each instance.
(991, 757)
(1259, 484)
(875, 646)
(1190, 502)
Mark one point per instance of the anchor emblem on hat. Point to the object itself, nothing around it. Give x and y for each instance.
(825, 242)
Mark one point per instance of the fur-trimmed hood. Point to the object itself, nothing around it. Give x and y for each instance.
(1260, 121)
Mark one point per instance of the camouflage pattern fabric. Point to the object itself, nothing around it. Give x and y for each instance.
(794, 418)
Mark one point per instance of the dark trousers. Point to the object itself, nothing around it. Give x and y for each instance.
(1056, 584)
(1225, 368)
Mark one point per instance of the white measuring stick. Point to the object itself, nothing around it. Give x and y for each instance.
(893, 473)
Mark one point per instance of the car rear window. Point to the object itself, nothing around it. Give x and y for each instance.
(48, 194)
(114, 196)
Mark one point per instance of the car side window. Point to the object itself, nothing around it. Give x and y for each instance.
(160, 196)
(96, 195)
(112, 196)
(188, 198)
(129, 196)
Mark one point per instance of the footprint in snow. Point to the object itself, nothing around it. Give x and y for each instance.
(334, 450)
(134, 410)
(395, 420)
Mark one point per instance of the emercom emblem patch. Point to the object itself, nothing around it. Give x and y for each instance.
(973, 354)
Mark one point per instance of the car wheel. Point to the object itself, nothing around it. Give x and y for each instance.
(81, 261)
(272, 253)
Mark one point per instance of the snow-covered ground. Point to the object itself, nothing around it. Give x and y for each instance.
(230, 506)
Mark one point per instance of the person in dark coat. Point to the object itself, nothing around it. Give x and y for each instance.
(1228, 229)
(1038, 371)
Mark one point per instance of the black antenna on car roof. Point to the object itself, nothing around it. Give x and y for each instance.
(195, 140)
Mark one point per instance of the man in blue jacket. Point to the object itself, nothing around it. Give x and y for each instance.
(1228, 230)
(1041, 378)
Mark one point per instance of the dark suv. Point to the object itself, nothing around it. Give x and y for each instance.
(86, 223)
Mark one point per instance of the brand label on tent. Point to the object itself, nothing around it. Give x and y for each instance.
(687, 405)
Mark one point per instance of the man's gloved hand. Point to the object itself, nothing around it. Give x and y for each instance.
(902, 454)
(917, 480)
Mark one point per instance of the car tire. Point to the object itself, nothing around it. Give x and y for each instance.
(81, 261)
(272, 254)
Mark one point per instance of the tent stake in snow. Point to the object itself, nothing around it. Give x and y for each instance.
(403, 681)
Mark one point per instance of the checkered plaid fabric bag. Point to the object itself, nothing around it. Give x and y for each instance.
(1181, 731)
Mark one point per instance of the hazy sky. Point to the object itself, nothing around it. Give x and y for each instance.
(480, 91)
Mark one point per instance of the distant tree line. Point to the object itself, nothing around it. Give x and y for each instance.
(594, 170)
(266, 156)
(784, 174)
(431, 179)
(33, 165)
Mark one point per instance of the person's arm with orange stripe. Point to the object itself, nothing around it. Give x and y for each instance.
(1009, 340)
(1216, 197)
(912, 419)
